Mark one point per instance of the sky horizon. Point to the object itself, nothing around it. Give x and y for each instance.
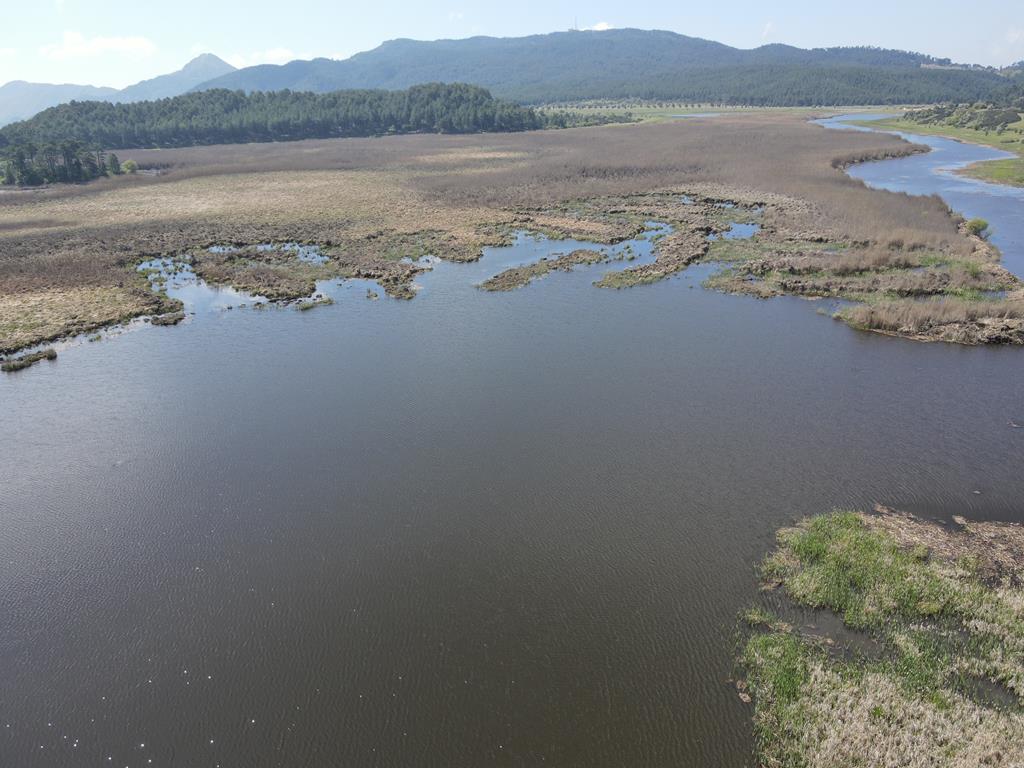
(70, 41)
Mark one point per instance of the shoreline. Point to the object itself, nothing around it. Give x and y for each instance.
(975, 170)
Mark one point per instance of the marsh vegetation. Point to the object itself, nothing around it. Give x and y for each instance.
(374, 206)
(943, 683)
(27, 361)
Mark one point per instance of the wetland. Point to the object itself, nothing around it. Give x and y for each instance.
(455, 526)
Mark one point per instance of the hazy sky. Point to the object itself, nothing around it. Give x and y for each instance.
(117, 42)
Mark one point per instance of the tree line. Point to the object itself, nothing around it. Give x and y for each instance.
(229, 117)
(997, 114)
(769, 85)
(66, 162)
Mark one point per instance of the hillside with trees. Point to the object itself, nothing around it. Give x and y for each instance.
(997, 114)
(634, 63)
(232, 117)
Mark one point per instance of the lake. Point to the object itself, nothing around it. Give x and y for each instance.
(468, 529)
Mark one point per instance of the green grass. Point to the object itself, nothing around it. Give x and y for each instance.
(1009, 171)
(859, 574)
(939, 628)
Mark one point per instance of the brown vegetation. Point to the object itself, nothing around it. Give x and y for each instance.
(517, 277)
(371, 202)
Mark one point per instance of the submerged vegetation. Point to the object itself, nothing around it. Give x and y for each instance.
(929, 668)
(26, 361)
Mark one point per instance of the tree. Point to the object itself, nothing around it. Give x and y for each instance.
(114, 165)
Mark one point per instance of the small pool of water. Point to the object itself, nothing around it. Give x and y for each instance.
(311, 254)
(737, 231)
(177, 278)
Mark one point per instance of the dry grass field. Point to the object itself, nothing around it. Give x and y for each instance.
(68, 254)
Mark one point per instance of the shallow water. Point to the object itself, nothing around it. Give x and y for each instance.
(468, 529)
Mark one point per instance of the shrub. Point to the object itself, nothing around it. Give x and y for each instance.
(977, 227)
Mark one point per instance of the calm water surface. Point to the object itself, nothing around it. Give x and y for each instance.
(471, 529)
(934, 173)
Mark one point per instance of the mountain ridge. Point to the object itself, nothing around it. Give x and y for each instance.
(632, 63)
(20, 99)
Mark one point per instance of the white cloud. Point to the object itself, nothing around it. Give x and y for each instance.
(7, 53)
(456, 16)
(769, 28)
(601, 26)
(269, 56)
(75, 45)
(1011, 49)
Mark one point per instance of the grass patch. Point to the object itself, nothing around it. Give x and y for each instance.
(323, 301)
(862, 575)
(946, 607)
(1008, 171)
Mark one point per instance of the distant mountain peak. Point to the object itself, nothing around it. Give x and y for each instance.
(205, 61)
(20, 100)
(202, 68)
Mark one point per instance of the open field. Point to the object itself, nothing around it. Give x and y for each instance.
(1009, 171)
(68, 254)
(643, 110)
(927, 666)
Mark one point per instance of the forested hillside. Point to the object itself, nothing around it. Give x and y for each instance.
(225, 117)
(634, 63)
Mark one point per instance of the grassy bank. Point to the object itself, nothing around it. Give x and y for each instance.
(927, 666)
(1008, 171)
